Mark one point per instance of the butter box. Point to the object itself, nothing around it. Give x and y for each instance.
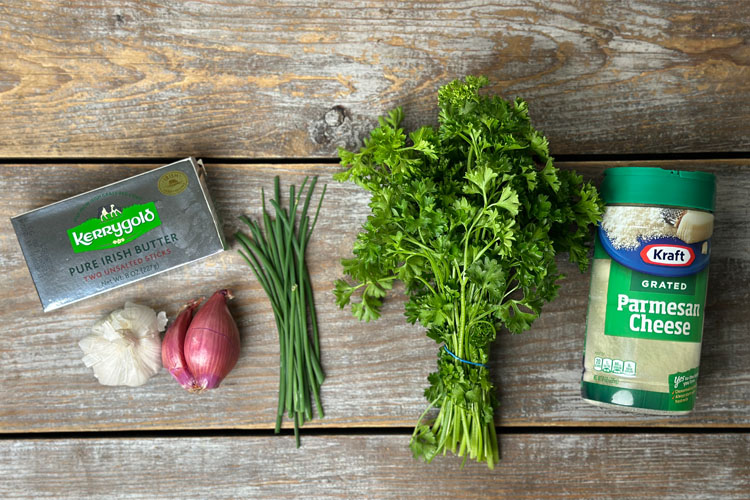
(119, 233)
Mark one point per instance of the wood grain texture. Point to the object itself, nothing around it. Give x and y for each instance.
(704, 466)
(297, 79)
(376, 372)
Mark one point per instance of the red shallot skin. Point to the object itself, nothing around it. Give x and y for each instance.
(172, 353)
(212, 343)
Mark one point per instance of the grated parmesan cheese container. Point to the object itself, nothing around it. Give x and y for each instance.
(648, 290)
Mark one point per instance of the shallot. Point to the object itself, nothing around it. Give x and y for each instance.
(200, 352)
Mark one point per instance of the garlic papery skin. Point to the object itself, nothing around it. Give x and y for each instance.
(125, 348)
(212, 342)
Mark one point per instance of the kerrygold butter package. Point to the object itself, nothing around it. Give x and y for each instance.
(119, 233)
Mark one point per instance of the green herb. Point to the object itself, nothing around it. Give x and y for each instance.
(277, 257)
(470, 217)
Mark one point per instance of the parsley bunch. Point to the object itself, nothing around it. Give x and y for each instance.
(469, 217)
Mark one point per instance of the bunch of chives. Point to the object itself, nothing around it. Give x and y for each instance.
(276, 255)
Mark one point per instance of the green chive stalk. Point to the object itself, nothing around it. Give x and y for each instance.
(276, 255)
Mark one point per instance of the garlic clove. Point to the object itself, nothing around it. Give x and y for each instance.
(212, 342)
(172, 353)
(140, 320)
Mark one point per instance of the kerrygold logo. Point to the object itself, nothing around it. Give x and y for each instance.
(114, 228)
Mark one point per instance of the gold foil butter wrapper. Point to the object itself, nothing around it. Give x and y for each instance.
(120, 233)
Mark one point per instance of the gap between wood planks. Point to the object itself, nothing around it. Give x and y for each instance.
(361, 431)
(736, 155)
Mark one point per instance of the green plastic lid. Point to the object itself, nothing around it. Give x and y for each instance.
(659, 186)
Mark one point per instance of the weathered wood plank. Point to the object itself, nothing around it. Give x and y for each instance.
(297, 79)
(377, 371)
(703, 466)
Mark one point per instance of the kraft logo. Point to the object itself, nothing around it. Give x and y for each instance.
(668, 255)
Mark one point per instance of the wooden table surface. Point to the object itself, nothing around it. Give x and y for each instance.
(92, 92)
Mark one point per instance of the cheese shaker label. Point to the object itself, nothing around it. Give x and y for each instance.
(644, 306)
(646, 309)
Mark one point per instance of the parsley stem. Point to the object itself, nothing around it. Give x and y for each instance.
(427, 284)
(487, 247)
(462, 320)
(421, 417)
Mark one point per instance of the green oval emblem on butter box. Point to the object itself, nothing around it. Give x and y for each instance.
(116, 229)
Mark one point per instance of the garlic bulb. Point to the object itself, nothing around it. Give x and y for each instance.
(125, 348)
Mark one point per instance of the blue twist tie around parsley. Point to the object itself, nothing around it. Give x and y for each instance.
(463, 360)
